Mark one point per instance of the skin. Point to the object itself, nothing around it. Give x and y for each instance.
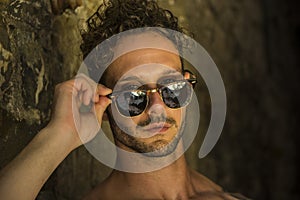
(156, 111)
(43, 154)
(175, 181)
(52, 144)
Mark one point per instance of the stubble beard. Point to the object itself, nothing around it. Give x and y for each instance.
(158, 148)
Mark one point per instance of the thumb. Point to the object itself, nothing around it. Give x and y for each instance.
(101, 106)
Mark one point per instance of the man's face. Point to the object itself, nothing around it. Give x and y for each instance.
(157, 129)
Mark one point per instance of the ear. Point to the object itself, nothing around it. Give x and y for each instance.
(189, 76)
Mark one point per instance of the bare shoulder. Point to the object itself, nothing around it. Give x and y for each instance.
(97, 193)
(207, 189)
(202, 183)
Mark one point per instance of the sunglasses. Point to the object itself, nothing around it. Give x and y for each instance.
(176, 94)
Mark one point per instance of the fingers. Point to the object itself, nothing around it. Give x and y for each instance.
(102, 90)
(101, 106)
(84, 89)
(87, 90)
(73, 109)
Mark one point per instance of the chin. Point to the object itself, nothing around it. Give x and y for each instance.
(158, 147)
(161, 148)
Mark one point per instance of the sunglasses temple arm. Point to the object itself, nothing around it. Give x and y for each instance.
(110, 96)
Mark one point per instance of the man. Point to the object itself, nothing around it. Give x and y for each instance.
(146, 110)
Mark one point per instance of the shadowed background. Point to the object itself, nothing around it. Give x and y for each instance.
(255, 44)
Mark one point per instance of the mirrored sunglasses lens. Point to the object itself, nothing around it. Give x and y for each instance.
(177, 94)
(132, 103)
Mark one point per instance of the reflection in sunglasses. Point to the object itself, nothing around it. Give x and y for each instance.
(175, 95)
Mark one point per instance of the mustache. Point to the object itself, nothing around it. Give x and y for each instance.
(159, 119)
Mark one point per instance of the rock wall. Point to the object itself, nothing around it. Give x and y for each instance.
(28, 73)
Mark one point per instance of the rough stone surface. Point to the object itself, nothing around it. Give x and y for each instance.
(25, 70)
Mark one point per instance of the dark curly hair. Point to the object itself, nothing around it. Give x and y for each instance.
(115, 16)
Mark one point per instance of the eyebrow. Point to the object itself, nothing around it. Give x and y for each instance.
(136, 78)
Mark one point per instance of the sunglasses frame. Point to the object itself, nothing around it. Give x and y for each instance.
(191, 79)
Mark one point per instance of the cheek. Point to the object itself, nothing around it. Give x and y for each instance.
(180, 117)
(126, 124)
(177, 115)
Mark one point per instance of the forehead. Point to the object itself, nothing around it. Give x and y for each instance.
(144, 40)
(146, 63)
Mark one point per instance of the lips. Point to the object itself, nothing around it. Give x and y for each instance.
(157, 127)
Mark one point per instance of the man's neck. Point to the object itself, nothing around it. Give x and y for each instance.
(171, 182)
(174, 181)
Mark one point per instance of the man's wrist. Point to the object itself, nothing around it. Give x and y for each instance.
(67, 139)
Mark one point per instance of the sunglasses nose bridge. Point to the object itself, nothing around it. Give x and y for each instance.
(153, 90)
(154, 97)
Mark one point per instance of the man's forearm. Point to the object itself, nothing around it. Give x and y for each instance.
(26, 174)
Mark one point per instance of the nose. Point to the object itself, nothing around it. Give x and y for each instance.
(156, 105)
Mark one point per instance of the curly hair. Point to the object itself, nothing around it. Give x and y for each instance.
(115, 16)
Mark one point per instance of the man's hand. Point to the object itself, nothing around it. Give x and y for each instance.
(79, 105)
(69, 128)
